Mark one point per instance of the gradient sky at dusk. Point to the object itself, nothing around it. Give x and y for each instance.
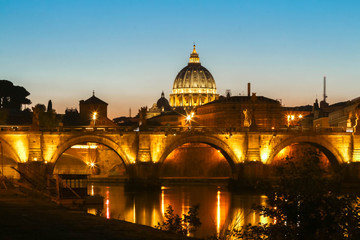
(129, 51)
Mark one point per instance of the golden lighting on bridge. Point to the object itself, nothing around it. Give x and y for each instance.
(22, 150)
(87, 146)
(265, 155)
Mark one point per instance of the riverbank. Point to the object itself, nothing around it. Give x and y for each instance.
(32, 217)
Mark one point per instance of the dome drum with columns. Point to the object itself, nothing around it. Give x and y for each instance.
(194, 85)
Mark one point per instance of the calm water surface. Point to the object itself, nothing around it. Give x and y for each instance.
(219, 208)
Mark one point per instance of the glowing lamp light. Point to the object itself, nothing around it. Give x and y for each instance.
(290, 118)
(94, 117)
(35, 159)
(91, 164)
(189, 117)
(264, 156)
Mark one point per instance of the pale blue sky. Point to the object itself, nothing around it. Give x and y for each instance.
(129, 51)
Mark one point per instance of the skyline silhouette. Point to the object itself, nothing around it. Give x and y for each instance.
(128, 52)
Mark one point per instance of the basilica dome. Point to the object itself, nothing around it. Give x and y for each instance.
(163, 103)
(194, 85)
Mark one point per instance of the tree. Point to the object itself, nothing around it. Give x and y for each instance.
(43, 119)
(12, 97)
(306, 203)
(174, 223)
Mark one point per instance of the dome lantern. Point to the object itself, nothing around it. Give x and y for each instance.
(194, 56)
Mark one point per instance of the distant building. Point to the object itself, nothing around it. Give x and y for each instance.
(255, 112)
(346, 115)
(298, 116)
(194, 85)
(93, 112)
(161, 106)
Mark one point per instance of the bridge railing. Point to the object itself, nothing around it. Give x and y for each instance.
(174, 129)
(14, 128)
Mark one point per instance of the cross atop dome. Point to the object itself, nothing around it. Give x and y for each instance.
(194, 56)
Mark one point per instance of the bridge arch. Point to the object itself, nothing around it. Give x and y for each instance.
(8, 148)
(334, 156)
(209, 140)
(90, 138)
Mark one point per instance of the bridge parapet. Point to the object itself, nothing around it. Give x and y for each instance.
(174, 129)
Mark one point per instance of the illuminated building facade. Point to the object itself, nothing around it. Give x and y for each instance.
(93, 111)
(346, 116)
(194, 85)
(255, 112)
(161, 106)
(90, 106)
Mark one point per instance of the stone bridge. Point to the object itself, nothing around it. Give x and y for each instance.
(144, 151)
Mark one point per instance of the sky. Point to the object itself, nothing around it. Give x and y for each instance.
(130, 51)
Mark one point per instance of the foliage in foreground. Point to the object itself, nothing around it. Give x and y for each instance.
(174, 223)
(306, 203)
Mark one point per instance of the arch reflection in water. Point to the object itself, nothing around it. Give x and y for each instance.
(218, 211)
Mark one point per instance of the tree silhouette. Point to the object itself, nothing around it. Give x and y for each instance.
(306, 203)
(43, 119)
(12, 97)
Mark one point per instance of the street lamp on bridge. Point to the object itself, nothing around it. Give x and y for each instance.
(189, 118)
(94, 117)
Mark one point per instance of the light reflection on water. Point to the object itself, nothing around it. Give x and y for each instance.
(219, 209)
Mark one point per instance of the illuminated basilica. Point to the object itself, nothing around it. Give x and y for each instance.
(194, 85)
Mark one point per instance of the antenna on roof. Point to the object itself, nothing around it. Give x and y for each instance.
(325, 89)
(93, 92)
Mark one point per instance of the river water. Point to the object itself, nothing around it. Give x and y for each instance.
(219, 209)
